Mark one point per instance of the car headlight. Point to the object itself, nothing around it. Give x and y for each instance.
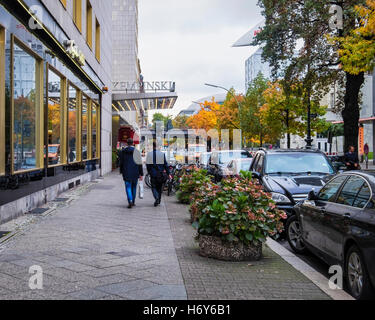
(280, 198)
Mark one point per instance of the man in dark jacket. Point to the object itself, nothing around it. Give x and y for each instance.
(157, 167)
(351, 159)
(131, 169)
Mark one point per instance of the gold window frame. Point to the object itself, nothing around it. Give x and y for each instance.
(2, 101)
(89, 127)
(63, 116)
(98, 130)
(39, 106)
(78, 123)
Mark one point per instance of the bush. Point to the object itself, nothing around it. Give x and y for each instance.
(237, 210)
(191, 181)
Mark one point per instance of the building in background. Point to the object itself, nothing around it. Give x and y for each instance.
(196, 106)
(254, 65)
(132, 97)
(53, 139)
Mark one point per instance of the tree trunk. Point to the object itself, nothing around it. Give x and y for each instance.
(351, 110)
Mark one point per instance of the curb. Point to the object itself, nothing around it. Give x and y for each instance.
(318, 279)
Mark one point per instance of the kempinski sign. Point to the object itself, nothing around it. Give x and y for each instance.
(144, 86)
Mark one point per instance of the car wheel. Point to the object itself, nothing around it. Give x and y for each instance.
(294, 235)
(357, 279)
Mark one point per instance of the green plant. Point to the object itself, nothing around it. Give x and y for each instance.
(237, 210)
(191, 180)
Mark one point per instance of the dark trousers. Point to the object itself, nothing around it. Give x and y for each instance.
(157, 189)
(131, 190)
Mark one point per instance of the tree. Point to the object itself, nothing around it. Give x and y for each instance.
(251, 110)
(180, 122)
(284, 114)
(356, 49)
(316, 64)
(160, 117)
(228, 114)
(204, 119)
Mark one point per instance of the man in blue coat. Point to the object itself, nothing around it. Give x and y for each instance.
(131, 169)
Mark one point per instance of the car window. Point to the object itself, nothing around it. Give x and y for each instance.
(350, 191)
(363, 197)
(259, 165)
(328, 192)
(255, 162)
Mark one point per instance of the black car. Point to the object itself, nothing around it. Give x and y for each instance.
(338, 225)
(289, 175)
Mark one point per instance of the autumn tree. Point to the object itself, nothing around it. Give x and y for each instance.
(284, 113)
(180, 122)
(296, 48)
(205, 119)
(356, 49)
(250, 112)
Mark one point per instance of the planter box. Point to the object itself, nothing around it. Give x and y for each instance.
(214, 247)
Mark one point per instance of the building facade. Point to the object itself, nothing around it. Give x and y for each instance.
(125, 45)
(55, 99)
(254, 65)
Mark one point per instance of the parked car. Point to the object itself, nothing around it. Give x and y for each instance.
(338, 225)
(235, 167)
(289, 175)
(203, 159)
(219, 161)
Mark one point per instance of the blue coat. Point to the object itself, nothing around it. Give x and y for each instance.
(131, 164)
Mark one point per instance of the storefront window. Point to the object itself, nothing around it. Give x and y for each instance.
(85, 127)
(25, 110)
(73, 104)
(95, 131)
(55, 119)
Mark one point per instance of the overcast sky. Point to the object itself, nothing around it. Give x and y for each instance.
(190, 42)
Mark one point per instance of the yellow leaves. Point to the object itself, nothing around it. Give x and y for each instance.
(357, 50)
(205, 119)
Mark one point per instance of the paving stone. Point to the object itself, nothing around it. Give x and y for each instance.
(121, 289)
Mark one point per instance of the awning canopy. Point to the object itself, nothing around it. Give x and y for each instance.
(143, 102)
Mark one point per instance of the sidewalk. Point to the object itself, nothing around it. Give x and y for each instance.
(95, 248)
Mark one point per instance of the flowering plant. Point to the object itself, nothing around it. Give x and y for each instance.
(237, 210)
(191, 181)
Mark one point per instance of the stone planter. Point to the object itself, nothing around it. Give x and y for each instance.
(214, 247)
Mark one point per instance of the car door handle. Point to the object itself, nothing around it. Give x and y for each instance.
(323, 211)
(347, 216)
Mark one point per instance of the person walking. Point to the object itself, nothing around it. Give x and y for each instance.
(131, 169)
(157, 168)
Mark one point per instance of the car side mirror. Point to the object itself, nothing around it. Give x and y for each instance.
(256, 175)
(312, 196)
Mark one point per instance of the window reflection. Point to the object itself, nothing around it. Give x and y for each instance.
(85, 126)
(72, 124)
(54, 118)
(94, 120)
(24, 117)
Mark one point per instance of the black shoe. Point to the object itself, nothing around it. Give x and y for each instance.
(156, 203)
(133, 204)
(159, 200)
(130, 206)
